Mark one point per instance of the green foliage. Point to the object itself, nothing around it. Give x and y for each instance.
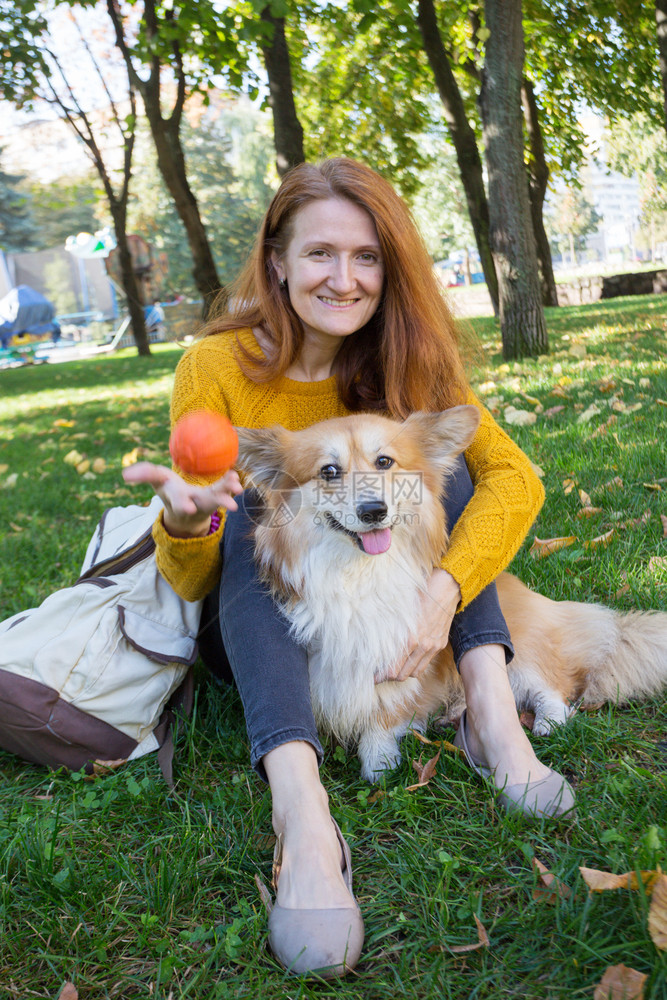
(439, 205)
(17, 226)
(638, 147)
(58, 286)
(596, 53)
(230, 166)
(362, 86)
(63, 209)
(200, 39)
(571, 217)
(21, 24)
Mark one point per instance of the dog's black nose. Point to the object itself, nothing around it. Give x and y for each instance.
(371, 511)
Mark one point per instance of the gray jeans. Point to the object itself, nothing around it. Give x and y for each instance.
(245, 638)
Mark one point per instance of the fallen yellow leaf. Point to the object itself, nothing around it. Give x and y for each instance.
(601, 540)
(657, 563)
(424, 771)
(69, 992)
(519, 418)
(102, 767)
(599, 881)
(664, 525)
(63, 423)
(568, 486)
(545, 546)
(588, 511)
(620, 983)
(657, 914)
(653, 486)
(554, 885)
(636, 522)
(607, 384)
(531, 399)
(604, 427)
(130, 458)
(3, 469)
(83, 466)
(585, 499)
(588, 414)
(482, 939)
(445, 744)
(99, 465)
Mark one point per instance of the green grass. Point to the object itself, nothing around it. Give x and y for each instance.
(132, 891)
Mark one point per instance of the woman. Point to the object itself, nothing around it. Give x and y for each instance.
(338, 311)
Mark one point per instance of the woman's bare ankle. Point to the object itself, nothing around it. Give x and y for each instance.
(310, 874)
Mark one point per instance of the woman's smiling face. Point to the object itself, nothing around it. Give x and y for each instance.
(333, 268)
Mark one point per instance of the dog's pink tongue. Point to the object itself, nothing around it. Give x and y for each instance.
(375, 542)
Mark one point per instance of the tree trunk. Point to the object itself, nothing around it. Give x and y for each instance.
(463, 139)
(171, 163)
(573, 256)
(538, 178)
(129, 281)
(167, 140)
(287, 130)
(522, 324)
(661, 22)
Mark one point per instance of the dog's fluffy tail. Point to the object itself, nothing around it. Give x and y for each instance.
(634, 664)
(586, 651)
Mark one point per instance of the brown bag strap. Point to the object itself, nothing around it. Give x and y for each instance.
(180, 703)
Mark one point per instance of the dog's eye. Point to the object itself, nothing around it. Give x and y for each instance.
(329, 472)
(384, 462)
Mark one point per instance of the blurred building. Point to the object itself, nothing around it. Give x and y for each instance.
(615, 198)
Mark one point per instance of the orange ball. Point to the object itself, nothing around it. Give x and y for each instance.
(204, 443)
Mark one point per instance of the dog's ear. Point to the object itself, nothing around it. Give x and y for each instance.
(262, 454)
(445, 435)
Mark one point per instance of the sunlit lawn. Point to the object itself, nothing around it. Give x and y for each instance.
(131, 891)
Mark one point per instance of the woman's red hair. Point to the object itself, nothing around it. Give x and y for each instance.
(407, 357)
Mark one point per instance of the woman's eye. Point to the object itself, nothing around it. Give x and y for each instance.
(368, 258)
(318, 253)
(384, 462)
(329, 472)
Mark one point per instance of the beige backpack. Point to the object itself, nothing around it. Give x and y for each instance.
(95, 672)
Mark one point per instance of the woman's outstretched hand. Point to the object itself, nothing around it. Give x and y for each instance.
(438, 607)
(187, 507)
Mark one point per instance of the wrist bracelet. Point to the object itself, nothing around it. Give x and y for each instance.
(215, 523)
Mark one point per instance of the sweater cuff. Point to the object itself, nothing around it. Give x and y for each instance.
(460, 570)
(191, 566)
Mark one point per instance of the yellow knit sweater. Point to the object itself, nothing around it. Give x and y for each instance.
(508, 494)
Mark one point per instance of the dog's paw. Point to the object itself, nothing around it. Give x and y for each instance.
(545, 724)
(542, 726)
(378, 753)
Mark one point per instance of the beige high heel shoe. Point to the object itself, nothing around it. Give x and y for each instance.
(550, 796)
(325, 943)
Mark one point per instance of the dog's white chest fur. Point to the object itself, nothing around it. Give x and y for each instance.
(356, 620)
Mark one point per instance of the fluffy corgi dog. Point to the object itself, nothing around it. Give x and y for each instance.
(350, 530)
